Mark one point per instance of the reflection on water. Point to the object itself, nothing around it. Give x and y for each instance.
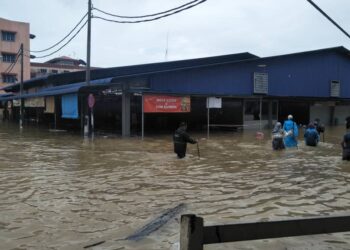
(59, 191)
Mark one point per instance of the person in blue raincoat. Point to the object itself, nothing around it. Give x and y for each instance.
(311, 135)
(291, 132)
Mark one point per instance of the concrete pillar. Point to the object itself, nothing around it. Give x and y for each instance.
(331, 116)
(126, 114)
(191, 232)
(243, 113)
(270, 115)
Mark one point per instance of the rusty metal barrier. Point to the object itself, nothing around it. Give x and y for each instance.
(193, 233)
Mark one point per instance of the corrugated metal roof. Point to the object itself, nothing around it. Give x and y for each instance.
(71, 77)
(203, 64)
(59, 90)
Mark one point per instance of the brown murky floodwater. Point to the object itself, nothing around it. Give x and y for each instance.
(59, 191)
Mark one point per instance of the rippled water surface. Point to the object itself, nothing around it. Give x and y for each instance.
(61, 191)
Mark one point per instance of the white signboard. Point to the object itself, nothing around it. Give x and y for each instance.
(16, 103)
(214, 102)
(335, 88)
(37, 102)
(261, 83)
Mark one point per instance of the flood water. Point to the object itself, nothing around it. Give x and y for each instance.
(61, 191)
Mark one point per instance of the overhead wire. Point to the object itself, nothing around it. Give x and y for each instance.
(12, 65)
(328, 17)
(152, 19)
(10, 68)
(43, 50)
(149, 15)
(65, 43)
(156, 16)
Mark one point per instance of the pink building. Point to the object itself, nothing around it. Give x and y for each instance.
(12, 34)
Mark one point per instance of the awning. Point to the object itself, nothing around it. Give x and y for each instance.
(61, 89)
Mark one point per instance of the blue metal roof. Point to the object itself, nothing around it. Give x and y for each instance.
(304, 74)
(79, 76)
(59, 90)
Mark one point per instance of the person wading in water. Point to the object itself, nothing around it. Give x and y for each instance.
(345, 144)
(277, 137)
(180, 138)
(291, 132)
(311, 135)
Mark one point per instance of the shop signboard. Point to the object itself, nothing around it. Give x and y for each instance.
(166, 104)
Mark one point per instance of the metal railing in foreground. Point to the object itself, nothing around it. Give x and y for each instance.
(193, 233)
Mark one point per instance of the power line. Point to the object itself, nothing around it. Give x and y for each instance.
(12, 65)
(10, 68)
(329, 18)
(39, 51)
(152, 19)
(65, 43)
(150, 15)
(159, 15)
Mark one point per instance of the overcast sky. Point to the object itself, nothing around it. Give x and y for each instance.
(216, 27)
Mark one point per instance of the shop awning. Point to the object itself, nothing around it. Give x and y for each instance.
(61, 90)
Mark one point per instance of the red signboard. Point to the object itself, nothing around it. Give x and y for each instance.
(166, 104)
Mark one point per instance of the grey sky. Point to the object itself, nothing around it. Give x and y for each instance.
(217, 27)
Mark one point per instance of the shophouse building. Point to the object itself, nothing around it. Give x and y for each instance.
(247, 92)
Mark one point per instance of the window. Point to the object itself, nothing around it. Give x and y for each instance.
(10, 58)
(8, 78)
(65, 63)
(54, 71)
(66, 71)
(43, 70)
(8, 36)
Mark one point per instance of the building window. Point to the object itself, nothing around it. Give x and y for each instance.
(7, 78)
(43, 71)
(10, 58)
(8, 36)
(54, 71)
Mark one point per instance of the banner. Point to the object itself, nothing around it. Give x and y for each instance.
(166, 104)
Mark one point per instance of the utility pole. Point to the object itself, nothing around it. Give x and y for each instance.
(88, 53)
(21, 91)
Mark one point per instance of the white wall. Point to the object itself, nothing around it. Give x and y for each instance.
(341, 112)
(320, 111)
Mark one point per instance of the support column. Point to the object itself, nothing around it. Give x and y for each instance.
(191, 232)
(331, 116)
(270, 115)
(82, 113)
(243, 115)
(126, 114)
